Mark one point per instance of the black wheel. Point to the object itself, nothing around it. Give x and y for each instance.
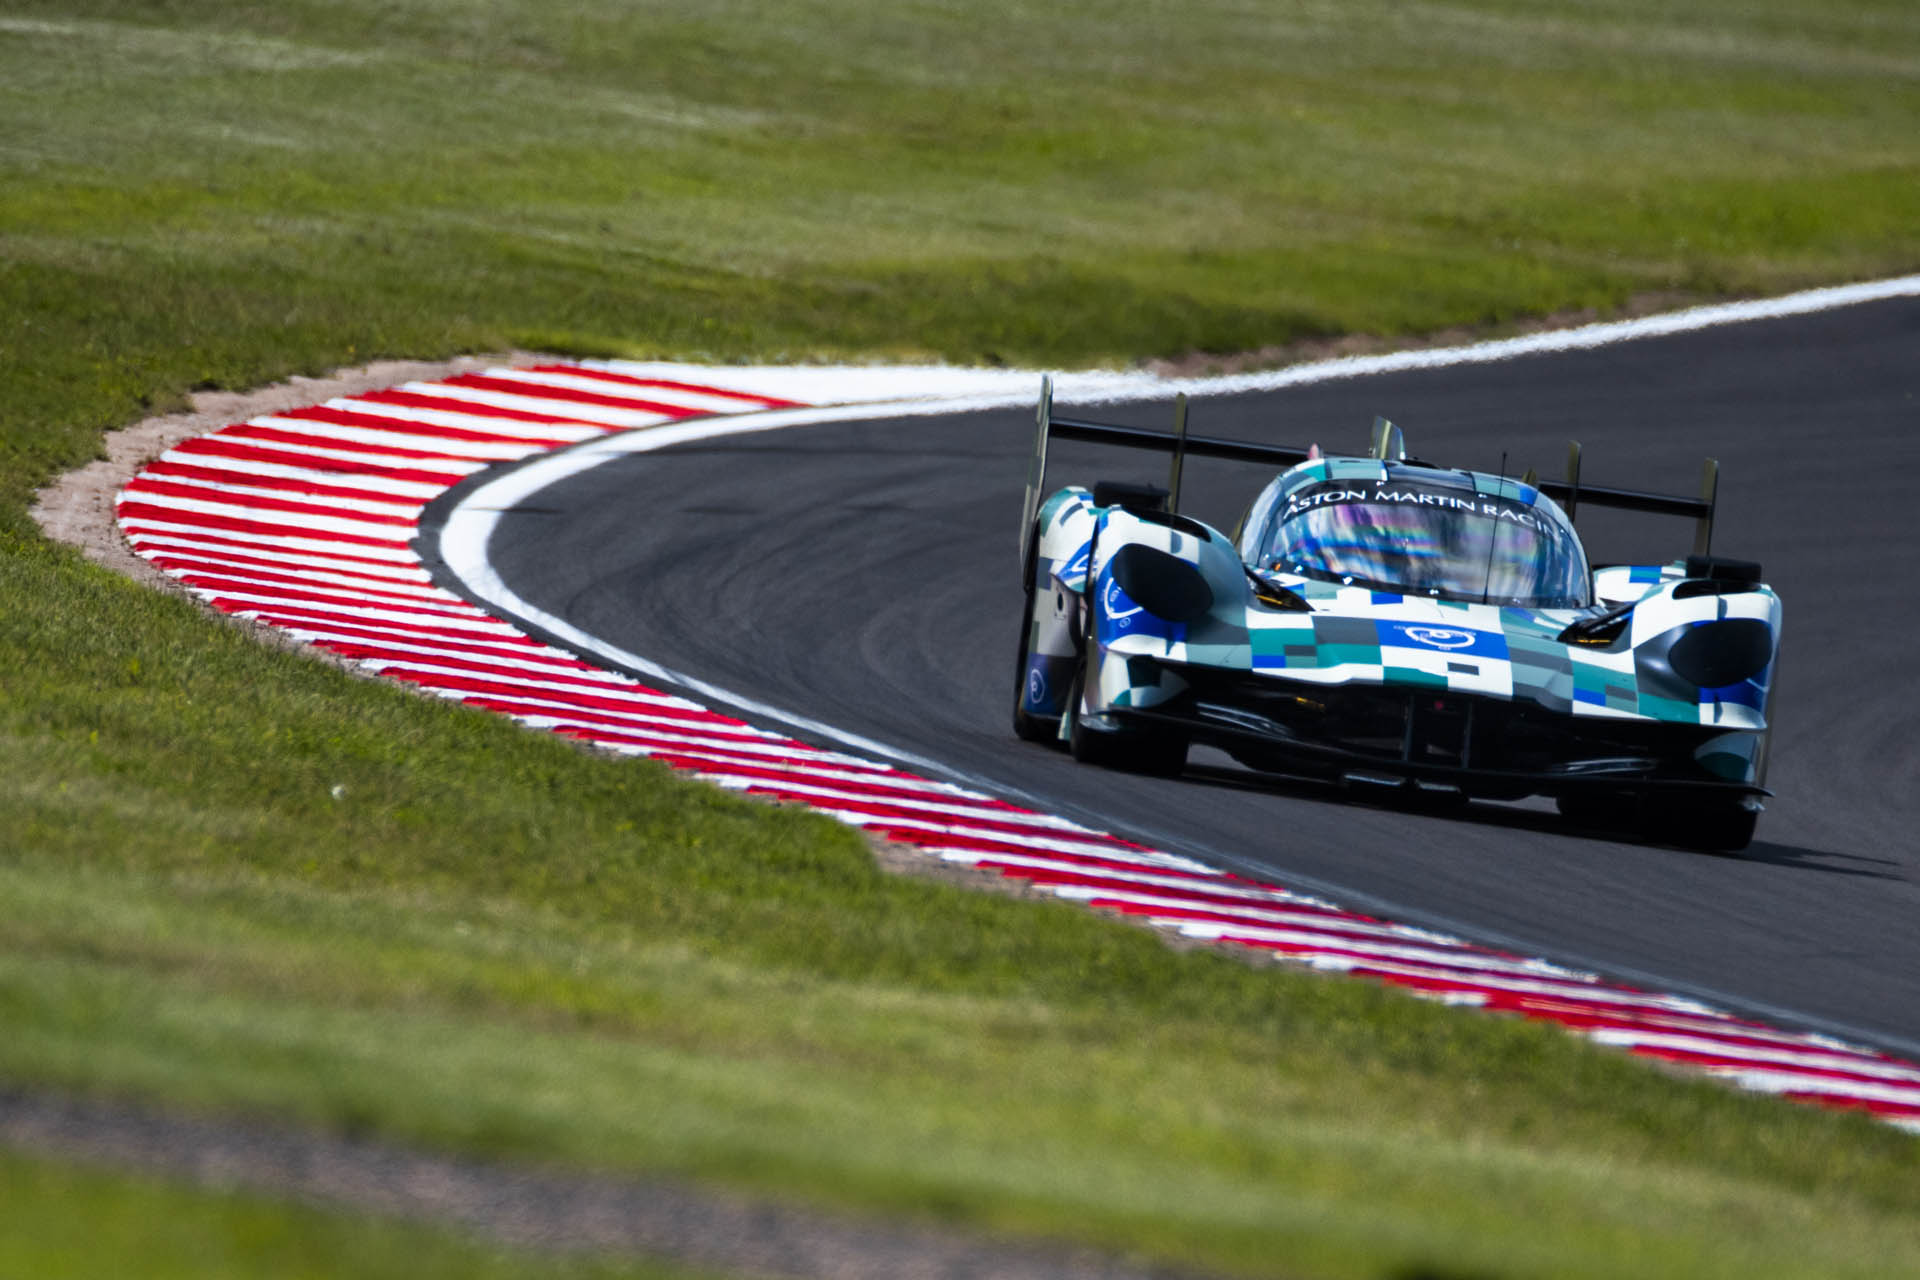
(1712, 826)
(1598, 810)
(1436, 800)
(1026, 726)
(1151, 750)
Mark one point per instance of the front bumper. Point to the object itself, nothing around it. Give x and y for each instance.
(1482, 746)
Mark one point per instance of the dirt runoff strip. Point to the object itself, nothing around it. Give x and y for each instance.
(538, 1208)
(531, 1207)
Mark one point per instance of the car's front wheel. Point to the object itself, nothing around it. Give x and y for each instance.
(1148, 749)
(1715, 825)
(1027, 726)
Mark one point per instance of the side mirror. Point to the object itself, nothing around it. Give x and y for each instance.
(1128, 493)
(1742, 573)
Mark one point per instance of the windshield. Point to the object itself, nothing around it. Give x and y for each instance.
(1453, 544)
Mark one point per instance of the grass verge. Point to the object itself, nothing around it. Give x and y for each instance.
(494, 943)
(65, 1222)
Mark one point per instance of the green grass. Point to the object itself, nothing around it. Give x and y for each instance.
(60, 1222)
(492, 942)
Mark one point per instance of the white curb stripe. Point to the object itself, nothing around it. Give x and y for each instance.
(579, 411)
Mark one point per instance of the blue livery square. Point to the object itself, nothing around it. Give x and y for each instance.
(1463, 642)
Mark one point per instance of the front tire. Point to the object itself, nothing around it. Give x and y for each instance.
(1711, 826)
(1027, 726)
(1598, 811)
(1131, 750)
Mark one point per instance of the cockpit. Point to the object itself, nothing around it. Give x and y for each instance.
(1437, 540)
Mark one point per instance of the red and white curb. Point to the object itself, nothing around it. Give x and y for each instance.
(303, 520)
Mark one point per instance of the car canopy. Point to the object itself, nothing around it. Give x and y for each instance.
(1452, 535)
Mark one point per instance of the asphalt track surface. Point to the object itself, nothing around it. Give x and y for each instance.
(864, 575)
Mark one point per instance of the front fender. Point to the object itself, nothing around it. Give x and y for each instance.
(1188, 572)
(1706, 658)
(1057, 577)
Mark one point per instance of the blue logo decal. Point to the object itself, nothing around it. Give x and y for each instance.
(1449, 640)
(1117, 614)
(1113, 599)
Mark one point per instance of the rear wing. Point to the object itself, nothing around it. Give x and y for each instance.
(1387, 445)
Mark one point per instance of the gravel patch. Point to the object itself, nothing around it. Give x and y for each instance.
(530, 1207)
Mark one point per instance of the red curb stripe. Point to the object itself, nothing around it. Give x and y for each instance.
(481, 629)
(1586, 1019)
(668, 754)
(1297, 921)
(560, 675)
(278, 506)
(569, 395)
(1704, 1058)
(456, 684)
(699, 759)
(269, 595)
(685, 747)
(936, 836)
(1125, 875)
(165, 541)
(985, 804)
(388, 649)
(429, 396)
(381, 641)
(997, 828)
(234, 562)
(219, 446)
(136, 510)
(666, 384)
(214, 577)
(1360, 952)
(171, 469)
(412, 427)
(1433, 980)
(391, 426)
(882, 779)
(1884, 1110)
(636, 721)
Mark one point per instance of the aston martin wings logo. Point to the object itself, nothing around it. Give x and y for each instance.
(1439, 637)
(1119, 616)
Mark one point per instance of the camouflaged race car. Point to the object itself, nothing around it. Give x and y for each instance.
(1392, 624)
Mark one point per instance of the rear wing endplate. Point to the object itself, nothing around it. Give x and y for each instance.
(1179, 443)
(1570, 493)
(1387, 443)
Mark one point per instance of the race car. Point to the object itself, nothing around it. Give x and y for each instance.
(1398, 626)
